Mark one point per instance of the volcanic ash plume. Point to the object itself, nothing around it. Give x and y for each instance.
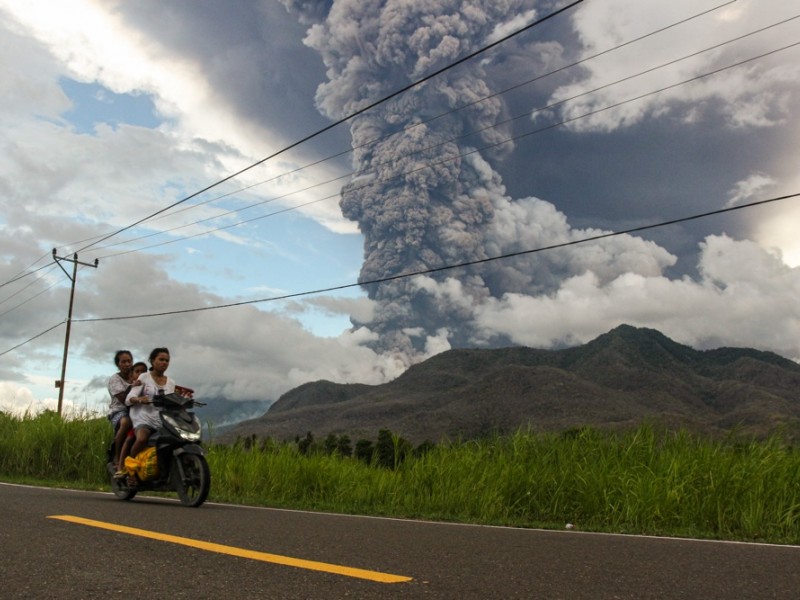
(424, 197)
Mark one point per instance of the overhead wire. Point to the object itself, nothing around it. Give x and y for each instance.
(456, 109)
(449, 267)
(99, 238)
(436, 269)
(35, 281)
(332, 125)
(422, 272)
(349, 117)
(470, 151)
(26, 273)
(38, 335)
(418, 124)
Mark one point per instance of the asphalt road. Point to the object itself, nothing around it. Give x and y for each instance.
(65, 544)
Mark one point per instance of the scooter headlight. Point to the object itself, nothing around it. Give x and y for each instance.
(190, 435)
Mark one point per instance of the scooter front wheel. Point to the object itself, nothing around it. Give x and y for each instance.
(191, 478)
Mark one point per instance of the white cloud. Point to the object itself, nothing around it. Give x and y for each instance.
(750, 189)
(744, 292)
(59, 186)
(753, 96)
(17, 399)
(778, 230)
(92, 43)
(531, 223)
(20, 400)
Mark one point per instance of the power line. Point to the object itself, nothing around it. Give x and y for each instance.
(462, 264)
(22, 289)
(33, 298)
(38, 335)
(418, 124)
(451, 266)
(24, 274)
(424, 271)
(469, 152)
(24, 302)
(347, 118)
(585, 59)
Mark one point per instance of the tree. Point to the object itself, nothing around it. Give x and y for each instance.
(364, 450)
(385, 449)
(305, 445)
(391, 449)
(269, 445)
(345, 447)
(331, 443)
(247, 443)
(424, 448)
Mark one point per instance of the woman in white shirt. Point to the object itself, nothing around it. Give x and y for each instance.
(140, 399)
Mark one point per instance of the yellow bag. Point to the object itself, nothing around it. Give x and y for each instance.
(145, 465)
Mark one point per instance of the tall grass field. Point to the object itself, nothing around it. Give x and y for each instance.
(644, 481)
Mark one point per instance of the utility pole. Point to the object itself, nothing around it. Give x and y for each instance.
(75, 262)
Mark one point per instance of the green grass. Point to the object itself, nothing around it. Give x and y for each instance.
(644, 481)
(46, 448)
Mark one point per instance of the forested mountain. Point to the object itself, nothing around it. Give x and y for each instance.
(623, 378)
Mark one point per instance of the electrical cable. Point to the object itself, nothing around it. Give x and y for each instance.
(331, 126)
(424, 122)
(38, 335)
(26, 274)
(472, 262)
(384, 137)
(451, 266)
(424, 271)
(418, 124)
(464, 154)
(349, 117)
(22, 289)
(29, 299)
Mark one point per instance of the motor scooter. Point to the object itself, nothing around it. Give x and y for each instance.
(182, 465)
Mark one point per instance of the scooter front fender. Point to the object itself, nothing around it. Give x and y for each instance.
(189, 449)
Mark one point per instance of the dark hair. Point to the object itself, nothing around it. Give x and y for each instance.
(139, 364)
(119, 354)
(156, 351)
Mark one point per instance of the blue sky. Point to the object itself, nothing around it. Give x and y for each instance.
(92, 103)
(111, 112)
(303, 255)
(300, 256)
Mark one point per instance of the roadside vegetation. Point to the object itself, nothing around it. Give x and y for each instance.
(643, 481)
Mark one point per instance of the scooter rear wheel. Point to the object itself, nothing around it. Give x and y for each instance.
(195, 484)
(119, 488)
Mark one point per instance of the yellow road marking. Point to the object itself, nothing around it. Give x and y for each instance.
(240, 552)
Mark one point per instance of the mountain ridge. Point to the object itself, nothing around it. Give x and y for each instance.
(620, 379)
